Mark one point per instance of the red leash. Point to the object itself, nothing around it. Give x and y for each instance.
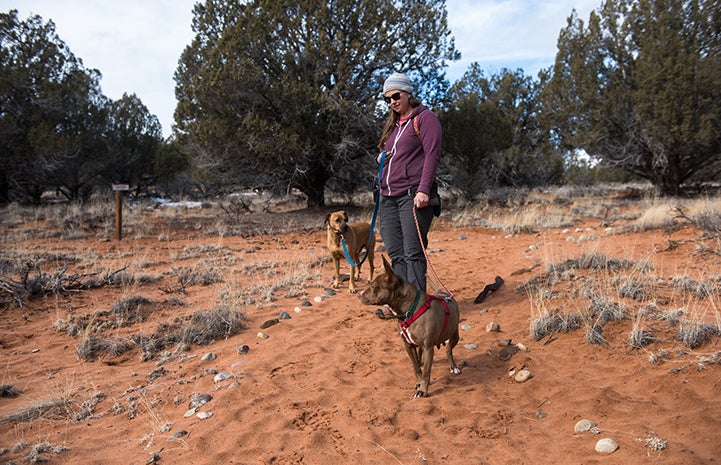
(428, 260)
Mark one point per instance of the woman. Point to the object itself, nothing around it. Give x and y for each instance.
(412, 142)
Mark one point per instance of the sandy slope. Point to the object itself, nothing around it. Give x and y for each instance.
(333, 384)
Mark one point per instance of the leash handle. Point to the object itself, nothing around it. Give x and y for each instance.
(373, 220)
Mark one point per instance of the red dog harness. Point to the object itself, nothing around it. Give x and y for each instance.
(404, 324)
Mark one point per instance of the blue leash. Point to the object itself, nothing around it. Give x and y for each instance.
(373, 220)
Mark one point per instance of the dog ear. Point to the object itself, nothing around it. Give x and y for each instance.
(327, 219)
(345, 216)
(387, 266)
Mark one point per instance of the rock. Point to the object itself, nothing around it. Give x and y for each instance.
(507, 352)
(269, 323)
(493, 327)
(522, 347)
(221, 377)
(262, 335)
(329, 292)
(523, 376)
(505, 343)
(583, 425)
(297, 309)
(284, 316)
(306, 303)
(606, 446)
(177, 435)
(242, 350)
(318, 299)
(196, 400)
(189, 413)
(471, 346)
(209, 356)
(466, 327)
(204, 415)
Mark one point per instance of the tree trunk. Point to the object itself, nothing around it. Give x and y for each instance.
(316, 198)
(4, 187)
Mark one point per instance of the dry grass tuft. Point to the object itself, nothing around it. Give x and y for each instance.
(694, 334)
(657, 216)
(9, 390)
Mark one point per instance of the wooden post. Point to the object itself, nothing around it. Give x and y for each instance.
(119, 188)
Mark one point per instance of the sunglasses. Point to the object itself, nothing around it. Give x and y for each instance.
(396, 96)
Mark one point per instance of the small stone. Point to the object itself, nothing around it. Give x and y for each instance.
(221, 377)
(471, 346)
(606, 446)
(493, 327)
(242, 350)
(197, 400)
(523, 376)
(522, 347)
(233, 385)
(204, 415)
(284, 316)
(269, 323)
(318, 299)
(209, 356)
(306, 303)
(177, 435)
(507, 352)
(189, 413)
(329, 292)
(297, 309)
(466, 327)
(262, 335)
(583, 426)
(505, 343)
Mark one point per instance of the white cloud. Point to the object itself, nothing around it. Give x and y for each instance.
(510, 34)
(136, 44)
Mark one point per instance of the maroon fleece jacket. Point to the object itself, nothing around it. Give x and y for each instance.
(415, 159)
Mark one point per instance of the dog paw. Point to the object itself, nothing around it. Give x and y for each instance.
(419, 394)
(456, 371)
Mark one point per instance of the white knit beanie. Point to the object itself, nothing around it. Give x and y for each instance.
(398, 81)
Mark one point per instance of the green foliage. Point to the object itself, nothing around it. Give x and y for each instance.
(639, 88)
(283, 95)
(57, 130)
(492, 135)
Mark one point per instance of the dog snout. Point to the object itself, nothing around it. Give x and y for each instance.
(344, 228)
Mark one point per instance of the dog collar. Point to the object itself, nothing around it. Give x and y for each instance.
(411, 310)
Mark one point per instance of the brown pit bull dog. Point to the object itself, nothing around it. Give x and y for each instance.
(424, 321)
(356, 238)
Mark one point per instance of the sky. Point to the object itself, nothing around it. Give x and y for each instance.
(136, 44)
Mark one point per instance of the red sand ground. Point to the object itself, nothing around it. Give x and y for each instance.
(333, 383)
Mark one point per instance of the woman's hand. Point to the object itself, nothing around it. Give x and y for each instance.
(420, 200)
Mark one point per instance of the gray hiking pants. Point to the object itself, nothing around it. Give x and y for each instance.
(400, 236)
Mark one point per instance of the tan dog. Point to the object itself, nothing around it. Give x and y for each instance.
(356, 238)
(424, 322)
